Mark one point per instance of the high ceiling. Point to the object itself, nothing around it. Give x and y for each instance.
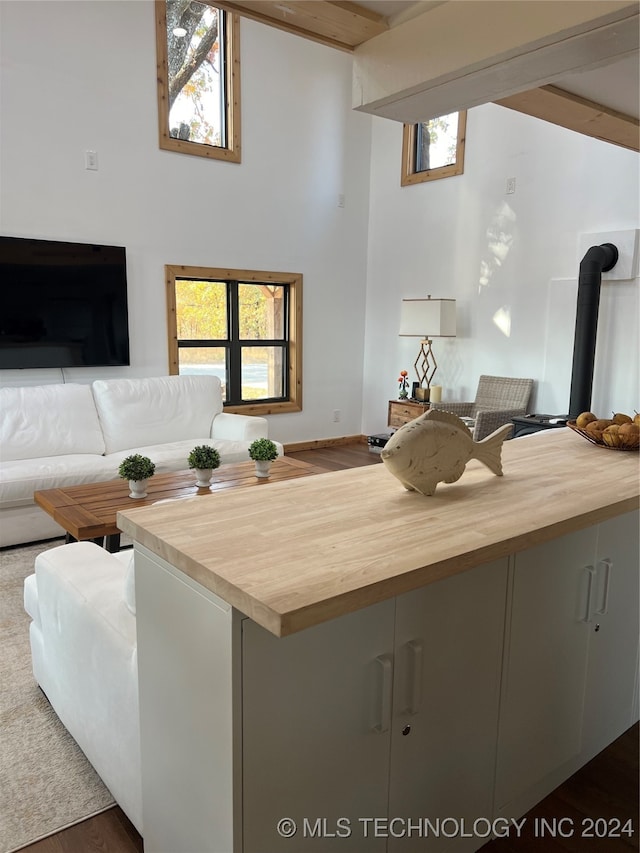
(598, 94)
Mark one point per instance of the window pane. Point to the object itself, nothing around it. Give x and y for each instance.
(196, 72)
(201, 310)
(436, 142)
(261, 311)
(262, 372)
(207, 360)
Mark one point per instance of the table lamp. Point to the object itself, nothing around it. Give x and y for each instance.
(427, 318)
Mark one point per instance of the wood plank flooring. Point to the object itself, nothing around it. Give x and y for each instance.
(607, 787)
(591, 802)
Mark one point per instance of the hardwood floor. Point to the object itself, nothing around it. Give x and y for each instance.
(598, 800)
(339, 457)
(108, 832)
(607, 787)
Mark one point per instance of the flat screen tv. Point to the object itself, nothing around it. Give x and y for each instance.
(62, 304)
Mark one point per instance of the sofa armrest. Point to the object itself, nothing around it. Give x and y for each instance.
(488, 421)
(462, 410)
(239, 427)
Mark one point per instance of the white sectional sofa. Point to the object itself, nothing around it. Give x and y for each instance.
(66, 434)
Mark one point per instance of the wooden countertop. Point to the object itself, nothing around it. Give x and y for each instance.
(304, 551)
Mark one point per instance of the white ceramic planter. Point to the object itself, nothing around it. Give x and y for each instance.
(138, 488)
(263, 466)
(203, 477)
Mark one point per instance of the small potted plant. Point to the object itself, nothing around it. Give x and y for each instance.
(204, 459)
(263, 451)
(137, 469)
(403, 385)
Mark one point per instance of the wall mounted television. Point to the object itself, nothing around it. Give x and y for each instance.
(62, 304)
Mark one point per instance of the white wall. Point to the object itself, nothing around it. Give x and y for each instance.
(517, 254)
(82, 75)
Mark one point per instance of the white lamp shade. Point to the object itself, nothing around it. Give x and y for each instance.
(428, 318)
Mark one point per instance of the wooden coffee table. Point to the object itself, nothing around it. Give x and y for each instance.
(89, 511)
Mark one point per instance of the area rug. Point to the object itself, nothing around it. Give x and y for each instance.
(46, 783)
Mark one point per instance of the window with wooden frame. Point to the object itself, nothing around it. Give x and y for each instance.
(198, 54)
(243, 326)
(433, 149)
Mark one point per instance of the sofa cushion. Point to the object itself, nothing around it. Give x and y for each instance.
(142, 412)
(48, 420)
(21, 478)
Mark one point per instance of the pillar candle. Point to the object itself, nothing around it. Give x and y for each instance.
(436, 394)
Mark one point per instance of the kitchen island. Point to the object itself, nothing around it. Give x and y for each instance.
(339, 649)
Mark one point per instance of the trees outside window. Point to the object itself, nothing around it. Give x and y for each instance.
(433, 149)
(198, 49)
(243, 326)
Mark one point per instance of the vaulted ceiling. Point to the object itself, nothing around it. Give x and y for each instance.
(575, 63)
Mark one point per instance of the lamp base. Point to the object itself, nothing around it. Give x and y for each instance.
(421, 394)
(425, 364)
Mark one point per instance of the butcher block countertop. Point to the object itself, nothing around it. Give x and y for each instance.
(304, 551)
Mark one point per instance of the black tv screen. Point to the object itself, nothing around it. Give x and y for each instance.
(62, 304)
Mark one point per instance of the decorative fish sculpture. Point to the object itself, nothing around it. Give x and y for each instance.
(435, 448)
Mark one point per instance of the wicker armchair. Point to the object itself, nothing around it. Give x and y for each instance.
(498, 399)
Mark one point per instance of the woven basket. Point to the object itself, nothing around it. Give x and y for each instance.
(631, 443)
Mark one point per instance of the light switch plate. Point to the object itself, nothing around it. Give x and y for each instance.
(627, 244)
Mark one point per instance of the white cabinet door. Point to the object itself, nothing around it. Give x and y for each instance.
(614, 631)
(316, 709)
(449, 641)
(545, 670)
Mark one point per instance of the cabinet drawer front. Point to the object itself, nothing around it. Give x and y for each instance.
(402, 413)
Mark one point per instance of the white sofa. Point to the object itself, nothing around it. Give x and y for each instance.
(67, 434)
(84, 655)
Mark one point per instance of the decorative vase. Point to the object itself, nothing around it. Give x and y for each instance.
(262, 467)
(138, 488)
(203, 477)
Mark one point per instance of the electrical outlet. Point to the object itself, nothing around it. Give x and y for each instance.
(91, 160)
(337, 414)
(341, 200)
(511, 186)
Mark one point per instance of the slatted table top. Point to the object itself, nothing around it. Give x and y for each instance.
(89, 511)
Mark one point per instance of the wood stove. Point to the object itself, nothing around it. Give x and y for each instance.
(597, 260)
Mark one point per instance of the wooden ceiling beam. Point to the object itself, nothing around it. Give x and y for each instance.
(342, 25)
(575, 113)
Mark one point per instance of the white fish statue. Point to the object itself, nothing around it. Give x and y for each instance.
(435, 448)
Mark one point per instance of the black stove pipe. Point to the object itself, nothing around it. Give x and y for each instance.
(597, 260)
